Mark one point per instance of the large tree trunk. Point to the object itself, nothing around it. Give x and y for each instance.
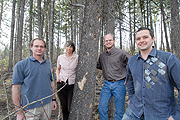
(83, 97)
(175, 28)
(12, 37)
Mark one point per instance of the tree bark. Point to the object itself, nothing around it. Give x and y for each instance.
(164, 24)
(1, 13)
(51, 26)
(39, 19)
(83, 97)
(30, 23)
(20, 30)
(12, 37)
(175, 27)
(110, 28)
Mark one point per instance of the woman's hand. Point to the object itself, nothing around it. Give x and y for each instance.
(58, 79)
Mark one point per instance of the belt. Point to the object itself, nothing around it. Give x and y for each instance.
(115, 80)
(112, 80)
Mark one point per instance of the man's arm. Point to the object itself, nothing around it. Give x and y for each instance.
(173, 73)
(16, 92)
(57, 73)
(129, 82)
(99, 64)
(54, 106)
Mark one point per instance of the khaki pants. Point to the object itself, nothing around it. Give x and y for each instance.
(39, 113)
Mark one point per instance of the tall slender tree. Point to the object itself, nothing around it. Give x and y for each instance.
(1, 13)
(20, 30)
(39, 19)
(30, 22)
(110, 28)
(51, 30)
(165, 26)
(12, 37)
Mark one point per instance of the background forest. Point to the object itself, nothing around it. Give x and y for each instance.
(85, 22)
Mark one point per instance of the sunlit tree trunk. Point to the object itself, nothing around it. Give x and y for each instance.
(80, 23)
(12, 37)
(75, 24)
(30, 22)
(20, 30)
(164, 24)
(140, 12)
(134, 30)
(162, 43)
(51, 26)
(102, 29)
(1, 13)
(47, 9)
(39, 19)
(130, 28)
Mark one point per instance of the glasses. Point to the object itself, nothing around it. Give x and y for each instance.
(108, 40)
(37, 46)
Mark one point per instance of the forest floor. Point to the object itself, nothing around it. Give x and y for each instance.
(7, 77)
(5, 82)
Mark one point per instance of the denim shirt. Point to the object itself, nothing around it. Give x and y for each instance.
(151, 85)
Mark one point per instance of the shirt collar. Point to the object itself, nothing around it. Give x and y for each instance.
(73, 56)
(33, 59)
(110, 51)
(152, 53)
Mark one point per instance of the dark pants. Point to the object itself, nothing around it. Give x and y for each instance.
(65, 96)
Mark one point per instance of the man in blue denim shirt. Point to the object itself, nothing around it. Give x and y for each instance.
(151, 77)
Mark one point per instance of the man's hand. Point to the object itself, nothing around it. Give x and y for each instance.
(128, 102)
(54, 105)
(125, 82)
(20, 116)
(170, 118)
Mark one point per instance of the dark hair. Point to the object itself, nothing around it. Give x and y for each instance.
(70, 43)
(145, 28)
(32, 41)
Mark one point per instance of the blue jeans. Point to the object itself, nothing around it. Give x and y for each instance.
(129, 115)
(109, 89)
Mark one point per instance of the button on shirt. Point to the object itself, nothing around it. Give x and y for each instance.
(151, 85)
(113, 64)
(68, 68)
